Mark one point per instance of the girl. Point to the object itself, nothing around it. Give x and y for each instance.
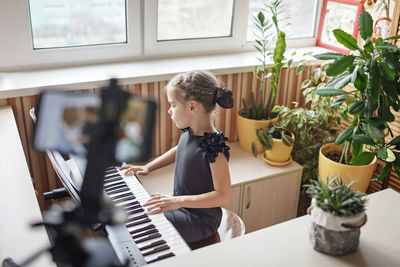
(202, 180)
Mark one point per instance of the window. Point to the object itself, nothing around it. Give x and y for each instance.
(191, 19)
(62, 23)
(176, 27)
(47, 33)
(298, 18)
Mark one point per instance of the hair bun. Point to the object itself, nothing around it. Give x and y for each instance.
(224, 97)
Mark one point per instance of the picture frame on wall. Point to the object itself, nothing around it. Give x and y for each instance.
(338, 14)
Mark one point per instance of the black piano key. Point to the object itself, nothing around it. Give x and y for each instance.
(111, 185)
(154, 244)
(112, 168)
(127, 205)
(148, 227)
(131, 212)
(108, 189)
(139, 222)
(119, 190)
(147, 238)
(156, 249)
(132, 207)
(110, 180)
(161, 257)
(134, 219)
(123, 197)
(108, 176)
(148, 232)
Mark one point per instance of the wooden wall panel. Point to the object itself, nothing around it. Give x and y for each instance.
(166, 135)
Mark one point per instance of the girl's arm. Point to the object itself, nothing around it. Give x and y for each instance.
(217, 198)
(161, 161)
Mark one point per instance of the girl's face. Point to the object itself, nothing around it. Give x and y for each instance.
(180, 112)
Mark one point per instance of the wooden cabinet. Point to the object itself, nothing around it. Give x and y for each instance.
(270, 201)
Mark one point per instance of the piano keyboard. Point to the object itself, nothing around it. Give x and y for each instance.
(145, 238)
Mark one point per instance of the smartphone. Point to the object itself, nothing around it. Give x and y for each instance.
(67, 120)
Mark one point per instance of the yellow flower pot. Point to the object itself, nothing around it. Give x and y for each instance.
(247, 131)
(329, 168)
(279, 152)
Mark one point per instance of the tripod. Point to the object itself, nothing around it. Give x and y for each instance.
(66, 222)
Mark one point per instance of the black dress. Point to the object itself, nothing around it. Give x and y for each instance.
(193, 177)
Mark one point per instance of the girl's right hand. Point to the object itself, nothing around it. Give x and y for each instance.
(131, 169)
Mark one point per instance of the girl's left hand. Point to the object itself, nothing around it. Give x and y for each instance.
(160, 203)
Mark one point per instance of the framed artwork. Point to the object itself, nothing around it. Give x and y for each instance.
(338, 14)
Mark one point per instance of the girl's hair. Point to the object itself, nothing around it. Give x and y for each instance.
(201, 86)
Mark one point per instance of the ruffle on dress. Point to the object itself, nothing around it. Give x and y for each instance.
(212, 144)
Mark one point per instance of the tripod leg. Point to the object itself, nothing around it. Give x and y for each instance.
(9, 262)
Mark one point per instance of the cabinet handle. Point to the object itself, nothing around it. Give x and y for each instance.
(248, 197)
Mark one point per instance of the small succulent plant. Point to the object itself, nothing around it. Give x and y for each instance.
(336, 197)
(265, 136)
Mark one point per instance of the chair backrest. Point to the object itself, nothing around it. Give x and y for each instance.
(231, 225)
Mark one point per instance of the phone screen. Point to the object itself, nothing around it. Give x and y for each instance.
(66, 121)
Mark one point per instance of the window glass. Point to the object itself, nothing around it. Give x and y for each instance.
(299, 17)
(192, 19)
(63, 23)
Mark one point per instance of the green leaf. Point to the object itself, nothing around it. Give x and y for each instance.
(375, 134)
(382, 153)
(356, 107)
(395, 141)
(391, 59)
(374, 83)
(357, 148)
(305, 83)
(387, 46)
(387, 72)
(328, 56)
(363, 139)
(364, 158)
(254, 149)
(391, 157)
(396, 37)
(361, 81)
(343, 82)
(261, 17)
(344, 136)
(383, 173)
(345, 39)
(365, 25)
(368, 46)
(379, 41)
(330, 92)
(339, 65)
(300, 68)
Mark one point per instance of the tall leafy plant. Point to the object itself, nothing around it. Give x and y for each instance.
(373, 70)
(313, 125)
(261, 110)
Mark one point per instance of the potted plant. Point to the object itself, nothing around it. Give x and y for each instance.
(313, 125)
(373, 73)
(278, 144)
(258, 114)
(337, 213)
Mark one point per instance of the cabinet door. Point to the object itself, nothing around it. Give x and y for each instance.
(270, 201)
(234, 204)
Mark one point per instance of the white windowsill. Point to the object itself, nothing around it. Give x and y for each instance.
(17, 84)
